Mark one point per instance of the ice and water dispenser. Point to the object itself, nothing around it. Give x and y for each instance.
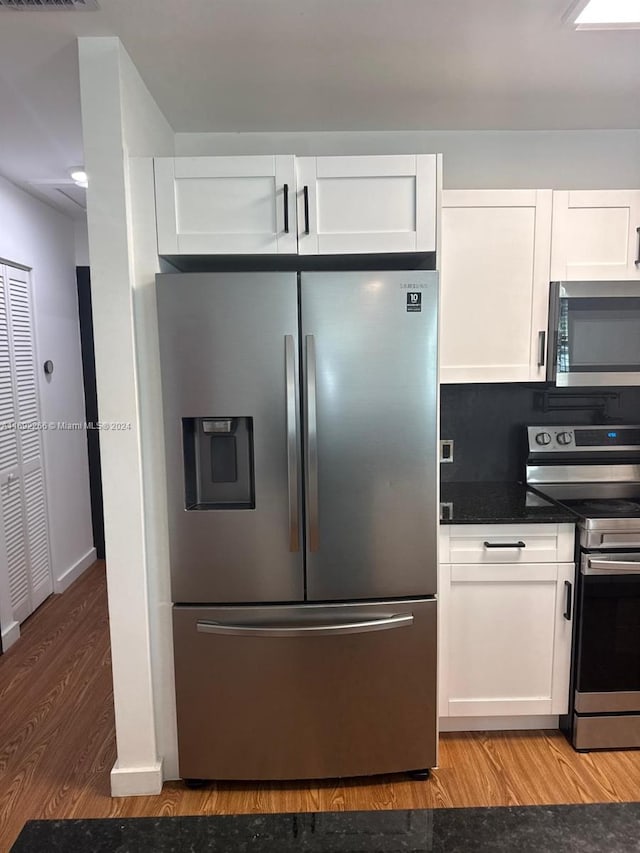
(218, 463)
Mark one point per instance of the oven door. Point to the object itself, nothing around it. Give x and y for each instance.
(594, 333)
(608, 639)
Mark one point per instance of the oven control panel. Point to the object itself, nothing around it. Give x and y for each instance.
(576, 439)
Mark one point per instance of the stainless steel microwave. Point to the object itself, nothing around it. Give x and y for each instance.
(594, 333)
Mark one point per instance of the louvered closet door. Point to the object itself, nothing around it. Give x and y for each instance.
(22, 480)
(11, 499)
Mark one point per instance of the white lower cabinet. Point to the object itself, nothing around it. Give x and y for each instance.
(505, 626)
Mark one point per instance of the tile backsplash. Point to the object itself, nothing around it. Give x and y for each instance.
(487, 422)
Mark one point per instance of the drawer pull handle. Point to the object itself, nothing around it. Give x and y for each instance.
(519, 544)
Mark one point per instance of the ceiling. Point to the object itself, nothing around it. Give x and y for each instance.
(262, 65)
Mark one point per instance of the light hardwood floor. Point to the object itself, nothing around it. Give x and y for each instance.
(57, 745)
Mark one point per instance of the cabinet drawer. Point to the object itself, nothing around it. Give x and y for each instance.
(511, 543)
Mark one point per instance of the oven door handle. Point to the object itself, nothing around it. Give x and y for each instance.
(611, 567)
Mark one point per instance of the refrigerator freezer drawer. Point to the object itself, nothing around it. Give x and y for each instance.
(305, 691)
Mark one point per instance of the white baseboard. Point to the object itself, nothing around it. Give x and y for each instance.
(496, 724)
(9, 635)
(136, 781)
(70, 575)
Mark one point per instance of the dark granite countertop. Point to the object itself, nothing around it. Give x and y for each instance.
(610, 827)
(497, 503)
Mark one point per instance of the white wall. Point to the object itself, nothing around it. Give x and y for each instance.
(37, 236)
(121, 121)
(580, 159)
(81, 237)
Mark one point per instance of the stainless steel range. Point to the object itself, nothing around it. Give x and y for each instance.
(595, 472)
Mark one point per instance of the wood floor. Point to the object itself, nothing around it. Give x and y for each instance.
(57, 745)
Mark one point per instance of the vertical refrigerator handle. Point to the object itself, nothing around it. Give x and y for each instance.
(311, 444)
(292, 442)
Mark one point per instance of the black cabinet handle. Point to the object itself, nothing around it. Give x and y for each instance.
(638, 258)
(285, 193)
(305, 193)
(568, 591)
(542, 349)
(519, 544)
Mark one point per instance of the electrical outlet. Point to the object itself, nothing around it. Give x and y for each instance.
(446, 511)
(446, 450)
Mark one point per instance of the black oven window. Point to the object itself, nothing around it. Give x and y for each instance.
(596, 335)
(609, 636)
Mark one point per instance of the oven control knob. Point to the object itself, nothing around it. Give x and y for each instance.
(543, 438)
(564, 438)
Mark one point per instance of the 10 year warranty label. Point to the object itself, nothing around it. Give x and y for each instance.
(414, 301)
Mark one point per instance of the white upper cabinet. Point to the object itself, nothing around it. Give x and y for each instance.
(378, 204)
(226, 205)
(494, 285)
(247, 205)
(595, 235)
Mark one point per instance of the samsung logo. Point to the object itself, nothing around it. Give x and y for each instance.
(411, 286)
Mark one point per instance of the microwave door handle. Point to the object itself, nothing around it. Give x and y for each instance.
(552, 362)
(552, 337)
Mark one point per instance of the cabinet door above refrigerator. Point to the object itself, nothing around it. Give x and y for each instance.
(370, 387)
(229, 362)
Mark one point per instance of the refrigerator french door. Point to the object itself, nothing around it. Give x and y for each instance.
(300, 421)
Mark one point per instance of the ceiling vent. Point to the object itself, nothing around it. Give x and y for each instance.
(48, 4)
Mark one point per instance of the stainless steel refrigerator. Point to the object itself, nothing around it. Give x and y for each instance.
(300, 424)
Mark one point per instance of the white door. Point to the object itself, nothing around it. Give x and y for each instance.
(353, 205)
(22, 491)
(595, 235)
(506, 639)
(494, 285)
(226, 205)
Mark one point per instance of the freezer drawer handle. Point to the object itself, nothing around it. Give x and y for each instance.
(311, 435)
(519, 544)
(292, 442)
(364, 626)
